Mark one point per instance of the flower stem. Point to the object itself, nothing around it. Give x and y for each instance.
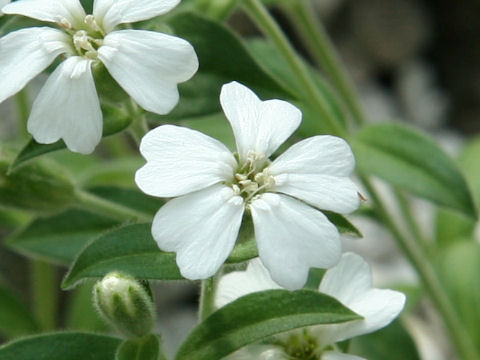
(44, 291)
(263, 18)
(324, 53)
(23, 109)
(207, 296)
(101, 206)
(428, 277)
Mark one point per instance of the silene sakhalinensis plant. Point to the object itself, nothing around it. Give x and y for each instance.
(156, 144)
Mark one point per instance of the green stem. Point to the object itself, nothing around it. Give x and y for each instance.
(266, 22)
(324, 53)
(410, 219)
(44, 293)
(101, 206)
(207, 298)
(23, 109)
(139, 126)
(428, 277)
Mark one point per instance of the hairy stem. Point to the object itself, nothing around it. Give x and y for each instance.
(207, 296)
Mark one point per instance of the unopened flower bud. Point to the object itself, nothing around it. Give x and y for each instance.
(125, 304)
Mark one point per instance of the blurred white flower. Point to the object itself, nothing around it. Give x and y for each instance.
(2, 4)
(147, 65)
(349, 281)
(215, 187)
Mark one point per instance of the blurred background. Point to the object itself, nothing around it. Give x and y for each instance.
(414, 61)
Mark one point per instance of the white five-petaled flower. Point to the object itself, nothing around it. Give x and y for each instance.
(148, 65)
(349, 281)
(213, 188)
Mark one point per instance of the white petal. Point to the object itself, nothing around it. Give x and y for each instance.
(334, 355)
(260, 126)
(110, 13)
(259, 352)
(350, 282)
(338, 194)
(201, 228)
(25, 54)
(2, 4)
(379, 308)
(48, 10)
(181, 160)
(347, 280)
(292, 237)
(239, 283)
(67, 108)
(323, 154)
(316, 171)
(148, 66)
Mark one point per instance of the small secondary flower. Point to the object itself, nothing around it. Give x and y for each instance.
(213, 188)
(147, 65)
(349, 281)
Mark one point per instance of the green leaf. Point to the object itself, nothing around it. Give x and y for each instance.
(409, 159)
(458, 267)
(451, 226)
(61, 346)
(392, 343)
(343, 225)
(15, 317)
(223, 58)
(59, 238)
(42, 186)
(146, 348)
(129, 249)
(254, 317)
(114, 121)
(471, 166)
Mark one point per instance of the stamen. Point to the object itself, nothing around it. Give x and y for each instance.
(63, 23)
(92, 24)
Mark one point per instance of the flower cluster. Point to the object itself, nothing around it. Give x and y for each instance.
(349, 281)
(147, 65)
(214, 188)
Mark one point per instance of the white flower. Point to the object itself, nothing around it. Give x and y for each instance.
(349, 281)
(2, 4)
(202, 224)
(147, 65)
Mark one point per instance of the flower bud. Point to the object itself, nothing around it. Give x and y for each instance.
(125, 303)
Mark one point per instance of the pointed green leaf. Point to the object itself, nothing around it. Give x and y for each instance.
(61, 346)
(409, 159)
(254, 317)
(223, 57)
(59, 238)
(129, 249)
(343, 225)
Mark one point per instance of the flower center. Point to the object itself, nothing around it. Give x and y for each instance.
(302, 347)
(87, 39)
(252, 178)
